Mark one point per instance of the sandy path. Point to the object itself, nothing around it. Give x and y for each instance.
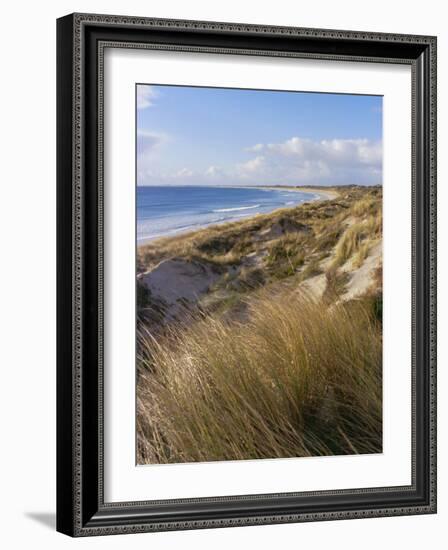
(362, 278)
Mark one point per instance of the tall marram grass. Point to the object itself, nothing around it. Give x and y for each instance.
(296, 379)
(355, 237)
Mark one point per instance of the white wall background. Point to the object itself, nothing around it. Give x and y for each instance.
(27, 288)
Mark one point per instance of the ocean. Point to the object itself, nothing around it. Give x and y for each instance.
(169, 210)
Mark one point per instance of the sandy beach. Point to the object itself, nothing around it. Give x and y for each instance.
(324, 194)
(318, 195)
(288, 287)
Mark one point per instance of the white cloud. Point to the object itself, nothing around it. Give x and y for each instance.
(338, 151)
(145, 96)
(252, 167)
(148, 142)
(149, 145)
(296, 161)
(214, 172)
(255, 148)
(184, 173)
(326, 162)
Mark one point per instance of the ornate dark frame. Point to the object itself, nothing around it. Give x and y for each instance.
(81, 39)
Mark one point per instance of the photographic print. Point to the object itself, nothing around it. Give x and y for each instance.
(259, 274)
(246, 322)
(234, 288)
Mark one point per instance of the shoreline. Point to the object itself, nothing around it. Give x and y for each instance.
(322, 195)
(269, 290)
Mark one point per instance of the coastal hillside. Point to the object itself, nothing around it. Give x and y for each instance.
(330, 248)
(262, 338)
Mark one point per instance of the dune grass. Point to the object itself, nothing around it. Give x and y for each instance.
(285, 255)
(366, 206)
(288, 240)
(296, 379)
(356, 240)
(361, 254)
(336, 282)
(259, 369)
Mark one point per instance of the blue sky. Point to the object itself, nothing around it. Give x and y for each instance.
(218, 136)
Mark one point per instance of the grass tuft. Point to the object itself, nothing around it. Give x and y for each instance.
(355, 238)
(285, 256)
(291, 381)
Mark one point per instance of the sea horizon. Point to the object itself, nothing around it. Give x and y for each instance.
(174, 209)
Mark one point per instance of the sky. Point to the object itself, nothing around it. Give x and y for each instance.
(221, 136)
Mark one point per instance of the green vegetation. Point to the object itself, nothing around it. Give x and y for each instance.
(281, 356)
(285, 255)
(287, 243)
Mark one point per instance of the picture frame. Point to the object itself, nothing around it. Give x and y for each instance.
(81, 506)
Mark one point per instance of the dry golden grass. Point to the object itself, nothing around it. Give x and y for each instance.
(357, 239)
(366, 206)
(349, 243)
(296, 379)
(336, 282)
(343, 227)
(361, 254)
(285, 255)
(265, 371)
